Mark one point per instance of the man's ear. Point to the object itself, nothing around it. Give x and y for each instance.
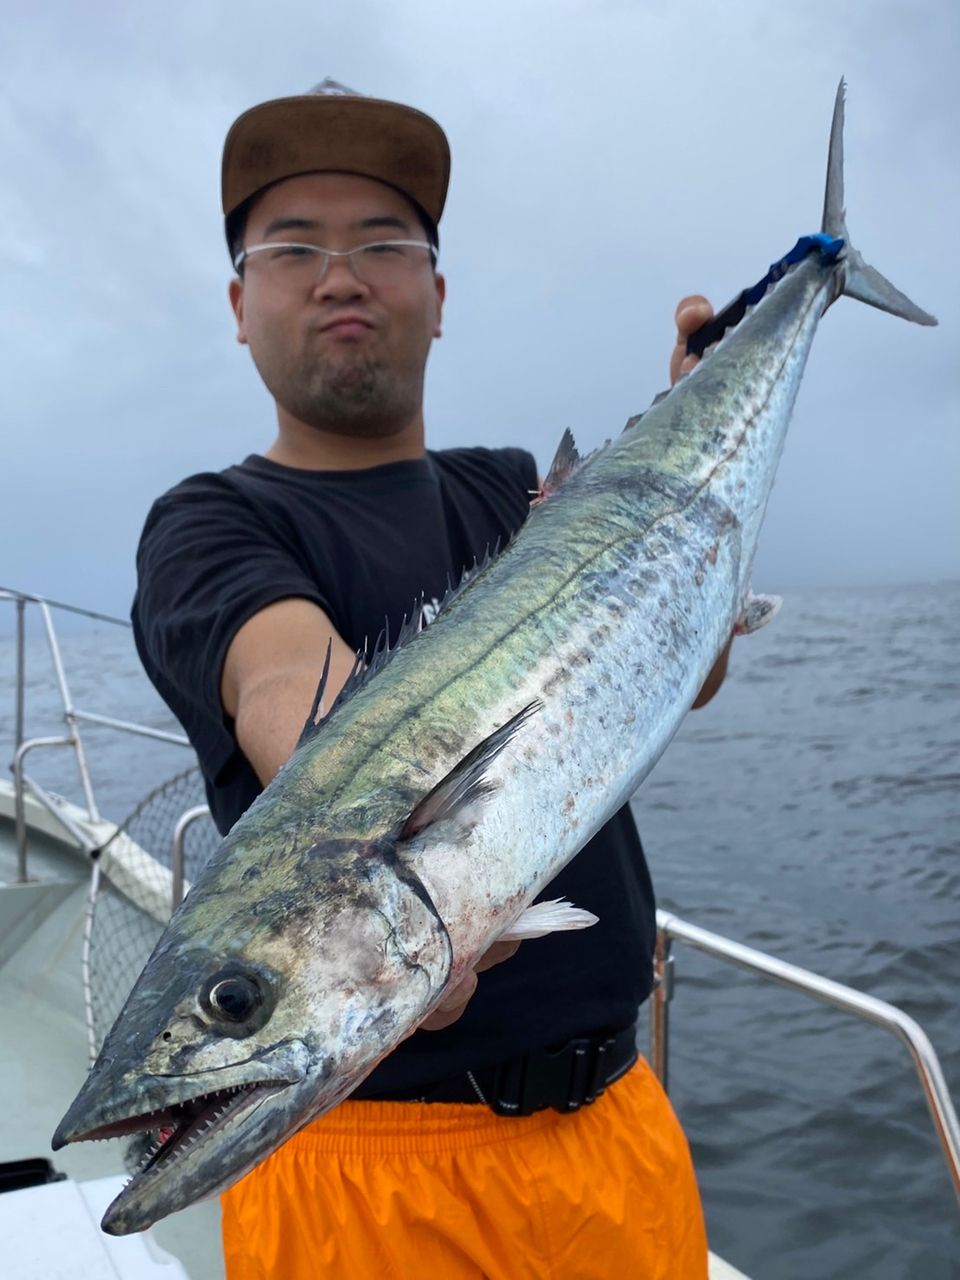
(441, 287)
(236, 302)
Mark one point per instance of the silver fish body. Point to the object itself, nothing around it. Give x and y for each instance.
(417, 823)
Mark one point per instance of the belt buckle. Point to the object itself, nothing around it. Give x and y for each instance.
(593, 1074)
(566, 1079)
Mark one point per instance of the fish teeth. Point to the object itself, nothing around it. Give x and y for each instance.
(220, 1099)
(148, 1155)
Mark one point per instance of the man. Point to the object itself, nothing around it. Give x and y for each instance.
(514, 1134)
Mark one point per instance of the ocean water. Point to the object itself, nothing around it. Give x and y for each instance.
(812, 810)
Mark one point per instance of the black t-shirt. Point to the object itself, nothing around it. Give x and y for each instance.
(367, 546)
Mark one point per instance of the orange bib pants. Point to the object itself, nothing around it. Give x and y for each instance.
(451, 1191)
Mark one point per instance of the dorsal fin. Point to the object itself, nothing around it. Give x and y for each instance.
(565, 462)
(365, 669)
(454, 589)
(312, 724)
(466, 782)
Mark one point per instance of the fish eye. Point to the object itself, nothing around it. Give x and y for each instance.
(236, 998)
(239, 999)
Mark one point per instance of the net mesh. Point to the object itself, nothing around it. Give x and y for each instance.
(131, 895)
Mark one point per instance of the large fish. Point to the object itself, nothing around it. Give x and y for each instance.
(418, 823)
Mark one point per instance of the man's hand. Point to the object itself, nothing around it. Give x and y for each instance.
(454, 1002)
(691, 313)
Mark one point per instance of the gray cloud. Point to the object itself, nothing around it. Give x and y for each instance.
(608, 158)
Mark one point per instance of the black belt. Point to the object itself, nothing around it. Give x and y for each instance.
(566, 1078)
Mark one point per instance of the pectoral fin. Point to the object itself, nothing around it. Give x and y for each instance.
(466, 785)
(548, 917)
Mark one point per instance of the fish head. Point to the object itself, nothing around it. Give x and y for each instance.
(256, 1014)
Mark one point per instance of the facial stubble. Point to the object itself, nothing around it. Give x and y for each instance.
(355, 395)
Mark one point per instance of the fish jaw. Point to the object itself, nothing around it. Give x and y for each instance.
(210, 1130)
(337, 987)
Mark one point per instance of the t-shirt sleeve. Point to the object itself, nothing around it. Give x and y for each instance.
(206, 564)
(524, 464)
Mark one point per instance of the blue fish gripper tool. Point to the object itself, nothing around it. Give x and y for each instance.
(827, 246)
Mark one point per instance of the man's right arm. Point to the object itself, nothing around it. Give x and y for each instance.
(270, 678)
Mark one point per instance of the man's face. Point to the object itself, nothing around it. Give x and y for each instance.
(340, 354)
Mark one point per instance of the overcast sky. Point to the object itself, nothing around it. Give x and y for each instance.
(607, 159)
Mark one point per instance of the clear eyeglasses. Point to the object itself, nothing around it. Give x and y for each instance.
(382, 263)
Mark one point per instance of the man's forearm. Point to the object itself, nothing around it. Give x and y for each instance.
(270, 718)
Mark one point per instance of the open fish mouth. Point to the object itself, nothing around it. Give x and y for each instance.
(186, 1150)
(171, 1131)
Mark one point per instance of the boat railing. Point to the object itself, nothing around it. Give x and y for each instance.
(184, 823)
(25, 784)
(671, 928)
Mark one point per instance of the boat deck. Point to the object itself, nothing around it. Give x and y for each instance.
(43, 1051)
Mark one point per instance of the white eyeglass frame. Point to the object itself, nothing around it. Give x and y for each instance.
(327, 254)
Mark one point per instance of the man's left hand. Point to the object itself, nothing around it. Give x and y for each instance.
(454, 1002)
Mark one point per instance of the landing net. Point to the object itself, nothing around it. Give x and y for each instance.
(131, 894)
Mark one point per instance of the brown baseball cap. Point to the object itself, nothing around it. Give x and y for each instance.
(334, 129)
